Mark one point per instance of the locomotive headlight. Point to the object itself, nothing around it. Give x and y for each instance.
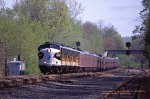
(49, 50)
(44, 62)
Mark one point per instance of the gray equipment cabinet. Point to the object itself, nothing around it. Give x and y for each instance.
(16, 68)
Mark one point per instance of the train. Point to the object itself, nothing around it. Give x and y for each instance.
(57, 58)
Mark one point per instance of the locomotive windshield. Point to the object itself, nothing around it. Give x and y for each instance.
(49, 45)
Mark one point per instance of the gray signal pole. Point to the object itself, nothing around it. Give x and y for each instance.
(128, 44)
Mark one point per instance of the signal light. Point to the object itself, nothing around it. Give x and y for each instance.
(128, 52)
(128, 44)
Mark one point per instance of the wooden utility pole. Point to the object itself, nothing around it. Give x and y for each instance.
(2, 59)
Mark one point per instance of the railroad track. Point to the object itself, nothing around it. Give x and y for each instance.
(75, 85)
(11, 81)
(134, 88)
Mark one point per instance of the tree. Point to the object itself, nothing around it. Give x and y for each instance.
(34, 9)
(31, 23)
(92, 39)
(2, 4)
(75, 9)
(144, 29)
(145, 15)
(112, 39)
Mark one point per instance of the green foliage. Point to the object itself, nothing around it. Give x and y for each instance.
(145, 14)
(31, 23)
(144, 29)
(128, 61)
(19, 38)
(92, 40)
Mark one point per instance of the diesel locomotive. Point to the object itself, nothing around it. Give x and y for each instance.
(56, 58)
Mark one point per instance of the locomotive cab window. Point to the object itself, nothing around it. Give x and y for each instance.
(55, 46)
(48, 45)
(57, 56)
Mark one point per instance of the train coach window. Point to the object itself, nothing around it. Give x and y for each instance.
(57, 56)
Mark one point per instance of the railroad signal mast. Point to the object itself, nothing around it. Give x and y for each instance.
(128, 44)
(78, 44)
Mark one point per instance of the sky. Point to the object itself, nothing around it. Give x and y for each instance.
(9, 3)
(122, 14)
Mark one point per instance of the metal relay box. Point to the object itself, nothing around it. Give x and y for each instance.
(16, 68)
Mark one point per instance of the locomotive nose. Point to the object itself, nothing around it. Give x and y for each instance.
(40, 55)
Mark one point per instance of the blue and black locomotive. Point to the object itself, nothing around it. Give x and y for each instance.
(55, 58)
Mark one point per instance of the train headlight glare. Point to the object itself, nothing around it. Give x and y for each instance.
(44, 62)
